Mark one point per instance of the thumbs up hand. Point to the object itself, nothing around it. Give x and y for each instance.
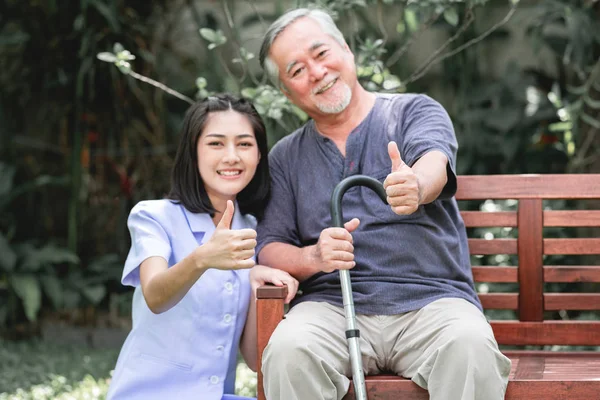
(401, 185)
(228, 249)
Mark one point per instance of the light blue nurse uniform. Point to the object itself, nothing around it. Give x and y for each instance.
(189, 351)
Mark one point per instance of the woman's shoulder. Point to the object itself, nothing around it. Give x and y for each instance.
(156, 209)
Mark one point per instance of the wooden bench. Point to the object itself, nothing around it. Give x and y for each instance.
(536, 374)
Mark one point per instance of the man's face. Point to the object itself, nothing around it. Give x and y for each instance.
(318, 74)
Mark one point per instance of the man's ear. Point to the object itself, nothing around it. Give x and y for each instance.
(285, 91)
(348, 51)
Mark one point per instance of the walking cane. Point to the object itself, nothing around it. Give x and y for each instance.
(352, 332)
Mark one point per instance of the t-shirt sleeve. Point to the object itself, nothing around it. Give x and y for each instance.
(427, 127)
(148, 239)
(279, 222)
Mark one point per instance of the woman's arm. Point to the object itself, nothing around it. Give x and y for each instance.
(164, 287)
(260, 275)
(227, 249)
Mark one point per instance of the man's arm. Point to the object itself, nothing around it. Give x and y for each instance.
(431, 175)
(333, 251)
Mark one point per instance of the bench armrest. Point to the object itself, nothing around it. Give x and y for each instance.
(269, 312)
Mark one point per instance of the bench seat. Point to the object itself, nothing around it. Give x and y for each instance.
(535, 375)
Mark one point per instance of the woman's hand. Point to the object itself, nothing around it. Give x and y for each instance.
(227, 249)
(260, 275)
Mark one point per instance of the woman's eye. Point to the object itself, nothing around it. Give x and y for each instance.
(246, 144)
(214, 143)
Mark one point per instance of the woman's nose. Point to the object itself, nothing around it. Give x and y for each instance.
(231, 154)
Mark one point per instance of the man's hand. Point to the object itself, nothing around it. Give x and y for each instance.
(401, 185)
(334, 250)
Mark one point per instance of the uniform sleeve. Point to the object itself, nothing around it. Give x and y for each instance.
(427, 127)
(279, 222)
(148, 239)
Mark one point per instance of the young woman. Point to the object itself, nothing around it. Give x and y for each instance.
(192, 262)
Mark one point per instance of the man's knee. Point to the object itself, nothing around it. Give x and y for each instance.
(470, 341)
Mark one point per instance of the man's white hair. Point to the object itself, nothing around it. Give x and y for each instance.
(317, 15)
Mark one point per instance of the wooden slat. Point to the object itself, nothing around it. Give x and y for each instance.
(531, 305)
(558, 389)
(493, 246)
(568, 273)
(269, 312)
(571, 301)
(571, 246)
(547, 186)
(499, 301)
(571, 333)
(572, 218)
(495, 274)
(389, 387)
(474, 219)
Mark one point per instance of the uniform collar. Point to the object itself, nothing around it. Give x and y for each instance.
(202, 222)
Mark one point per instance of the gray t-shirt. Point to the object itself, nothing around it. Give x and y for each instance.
(402, 262)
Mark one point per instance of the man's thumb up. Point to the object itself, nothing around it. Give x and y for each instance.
(394, 153)
(225, 222)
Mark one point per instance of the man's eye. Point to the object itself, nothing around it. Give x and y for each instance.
(321, 54)
(296, 72)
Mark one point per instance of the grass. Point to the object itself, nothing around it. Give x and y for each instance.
(39, 371)
(36, 370)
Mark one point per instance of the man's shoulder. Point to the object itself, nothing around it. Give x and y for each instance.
(407, 100)
(291, 142)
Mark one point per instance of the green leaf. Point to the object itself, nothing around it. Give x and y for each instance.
(595, 104)
(53, 289)
(400, 27)
(560, 126)
(106, 56)
(117, 48)
(8, 259)
(451, 16)
(590, 120)
(208, 34)
(27, 288)
(94, 294)
(48, 255)
(577, 90)
(201, 83)
(410, 17)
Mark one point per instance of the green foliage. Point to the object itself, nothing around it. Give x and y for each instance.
(39, 371)
(30, 272)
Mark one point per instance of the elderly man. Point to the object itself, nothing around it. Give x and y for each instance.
(417, 310)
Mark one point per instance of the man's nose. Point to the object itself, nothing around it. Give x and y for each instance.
(317, 71)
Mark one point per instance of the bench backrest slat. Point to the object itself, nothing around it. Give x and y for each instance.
(570, 273)
(573, 186)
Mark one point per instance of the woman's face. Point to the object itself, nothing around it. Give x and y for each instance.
(227, 156)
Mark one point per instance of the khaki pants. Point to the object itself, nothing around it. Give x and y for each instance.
(447, 347)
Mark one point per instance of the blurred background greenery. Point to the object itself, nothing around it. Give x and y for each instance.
(81, 141)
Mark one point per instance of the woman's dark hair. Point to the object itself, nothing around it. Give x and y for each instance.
(187, 186)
